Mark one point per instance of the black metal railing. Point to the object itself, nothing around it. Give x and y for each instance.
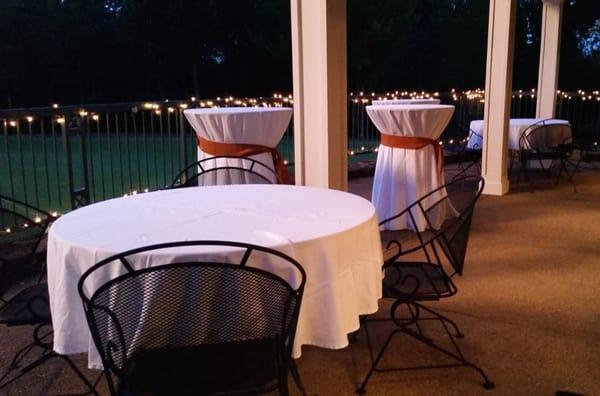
(581, 108)
(61, 157)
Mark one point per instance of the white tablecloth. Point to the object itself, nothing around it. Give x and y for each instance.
(318, 227)
(246, 125)
(402, 176)
(405, 101)
(516, 128)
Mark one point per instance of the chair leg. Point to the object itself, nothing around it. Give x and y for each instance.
(521, 170)
(487, 383)
(46, 356)
(417, 334)
(296, 376)
(362, 388)
(572, 175)
(91, 388)
(352, 337)
(15, 364)
(457, 332)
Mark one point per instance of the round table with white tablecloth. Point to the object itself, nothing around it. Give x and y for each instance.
(318, 227)
(516, 128)
(405, 101)
(216, 128)
(402, 175)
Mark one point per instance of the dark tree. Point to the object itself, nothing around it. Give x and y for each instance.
(83, 51)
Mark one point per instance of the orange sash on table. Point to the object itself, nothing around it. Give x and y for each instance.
(415, 143)
(245, 150)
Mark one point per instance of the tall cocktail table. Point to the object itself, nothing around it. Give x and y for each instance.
(409, 159)
(241, 131)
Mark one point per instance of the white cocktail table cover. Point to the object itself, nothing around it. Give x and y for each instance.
(264, 126)
(405, 101)
(318, 227)
(516, 128)
(402, 176)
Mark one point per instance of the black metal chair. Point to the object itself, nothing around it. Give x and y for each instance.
(22, 229)
(212, 325)
(545, 141)
(411, 283)
(213, 171)
(467, 154)
(22, 254)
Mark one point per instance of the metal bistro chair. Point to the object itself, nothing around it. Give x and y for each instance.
(545, 141)
(211, 171)
(467, 154)
(411, 283)
(22, 251)
(218, 325)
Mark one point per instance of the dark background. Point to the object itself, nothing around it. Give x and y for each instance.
(96, 51)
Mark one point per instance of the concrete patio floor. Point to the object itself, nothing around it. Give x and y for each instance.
(528, 304)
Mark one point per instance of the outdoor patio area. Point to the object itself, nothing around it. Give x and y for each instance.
(527, 304)
(281, 196)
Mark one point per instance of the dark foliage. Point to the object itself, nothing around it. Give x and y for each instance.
(83, 51)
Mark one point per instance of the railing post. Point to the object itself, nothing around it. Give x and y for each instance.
(182, 148)
(78, 196)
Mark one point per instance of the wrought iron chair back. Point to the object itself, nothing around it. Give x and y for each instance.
(410, 283)
(474, 136)
(218, 300)
(547, 141)
(546, 138)
(215, 170)
(22, 228)
(469, 154)
(457, 200)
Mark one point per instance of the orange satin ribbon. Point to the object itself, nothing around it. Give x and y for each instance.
(245, 150)
(415, 143)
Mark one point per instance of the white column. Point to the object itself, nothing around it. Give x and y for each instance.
(320, 92)
(549, 58)
(498, 87)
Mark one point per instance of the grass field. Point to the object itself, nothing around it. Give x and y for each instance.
(34, 168)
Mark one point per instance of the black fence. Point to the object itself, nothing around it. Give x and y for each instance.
(59, 158)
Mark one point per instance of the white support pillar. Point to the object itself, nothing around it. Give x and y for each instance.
(549, 58)
(320, 92)
(498, 87)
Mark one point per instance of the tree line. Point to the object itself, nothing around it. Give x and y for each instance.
(94, 51)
